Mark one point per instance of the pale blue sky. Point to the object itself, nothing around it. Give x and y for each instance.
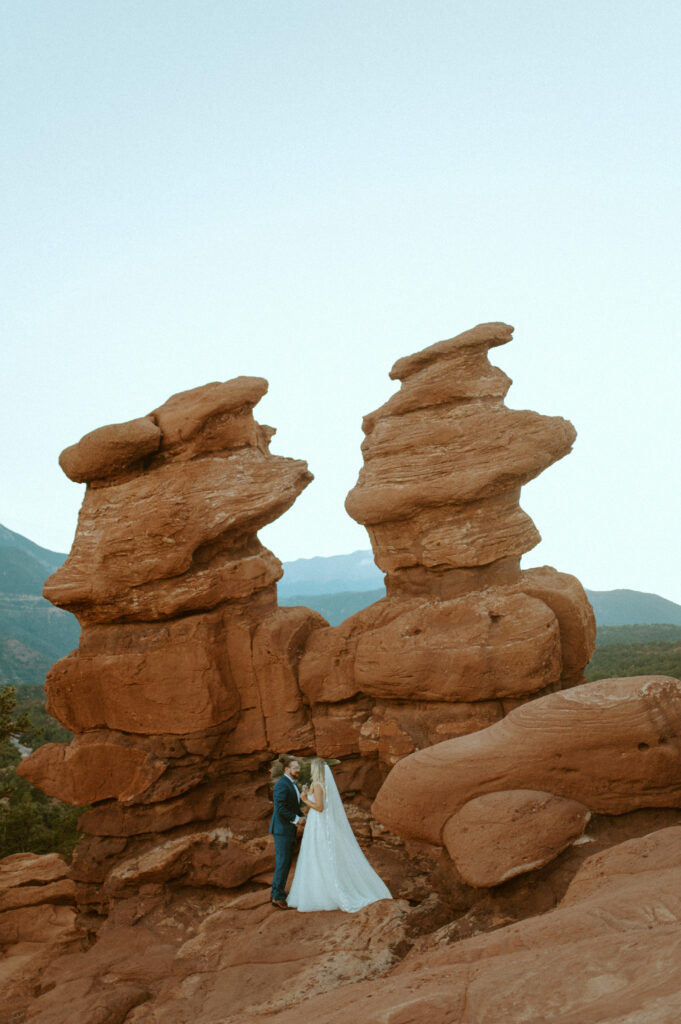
(309, 190)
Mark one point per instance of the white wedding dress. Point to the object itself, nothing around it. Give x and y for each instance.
(332, 873)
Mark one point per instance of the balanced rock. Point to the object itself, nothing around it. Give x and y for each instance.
(189, 679)
(610, 745)
(177, 532)
(185, 677)
(444, 461)
(463, 631)
(499, 835)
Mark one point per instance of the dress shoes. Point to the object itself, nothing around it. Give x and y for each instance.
(280, 904)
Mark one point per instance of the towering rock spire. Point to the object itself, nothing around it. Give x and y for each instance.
(444, 461)
(173, 505)
(189, 678)
(183, 684)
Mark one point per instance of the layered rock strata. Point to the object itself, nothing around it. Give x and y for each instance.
(463, 635)
(37, 924)
(607, 955)
(189, 679)
(183, 685)
(609, 747)
(444, 461)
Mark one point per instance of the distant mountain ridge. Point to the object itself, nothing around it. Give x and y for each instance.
(24, 566)
(331, 575)
(626, 607)
(354, 581)
(34, 634)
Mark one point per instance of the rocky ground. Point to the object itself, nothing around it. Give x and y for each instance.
(592, 937)
(527, 825)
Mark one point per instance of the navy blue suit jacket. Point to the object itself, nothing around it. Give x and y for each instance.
(286, 808)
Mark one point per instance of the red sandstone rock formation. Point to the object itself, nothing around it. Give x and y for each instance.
(189, 678)
(463, 634)
(608, 955)
(611, 745)
(37, 923)
(183, 685)
(499, 835)
(444, 461)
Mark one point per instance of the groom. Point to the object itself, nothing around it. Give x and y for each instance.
(285, 817)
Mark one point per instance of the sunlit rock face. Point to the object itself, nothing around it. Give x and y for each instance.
(184, 683)
(479, 776)
(444, 461)
(189, 678)
(612, 746)
(173, 530)
(463, 631)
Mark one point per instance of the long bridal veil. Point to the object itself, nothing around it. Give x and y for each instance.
(332, 872)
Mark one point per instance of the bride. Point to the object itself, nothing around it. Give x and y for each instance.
(332, 873)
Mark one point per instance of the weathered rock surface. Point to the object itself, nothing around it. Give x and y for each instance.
(444, 461)
(37, 924)
(177, 533)
(110, 449)
(612, 746)
(206, 957)
(189, 679)
(608, 955)
(499, 835)
(147, 678)
(565, 596)
(92, 768)
(21, 869)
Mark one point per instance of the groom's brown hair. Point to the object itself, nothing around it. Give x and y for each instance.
(285, 760)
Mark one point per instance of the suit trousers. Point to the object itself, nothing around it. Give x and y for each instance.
(284, 847)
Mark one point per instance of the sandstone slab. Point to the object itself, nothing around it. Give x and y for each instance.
(43, 923)
(609, 957)
(31, 869)
(62, 891)
(213, 417)
(611, 745)
(84, 772)
(147, 678)
(206, 956)
(497, 450)
(478, 647)
(137, 541)
(214, 857)
(115, 819)
(108, 450)
(499, 835)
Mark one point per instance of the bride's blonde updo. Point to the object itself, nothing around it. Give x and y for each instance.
(317, 771)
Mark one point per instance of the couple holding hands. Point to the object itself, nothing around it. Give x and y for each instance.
(332, 873)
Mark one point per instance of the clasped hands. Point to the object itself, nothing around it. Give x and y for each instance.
(303, 792)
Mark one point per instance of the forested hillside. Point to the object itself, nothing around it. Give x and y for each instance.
(33, 633)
